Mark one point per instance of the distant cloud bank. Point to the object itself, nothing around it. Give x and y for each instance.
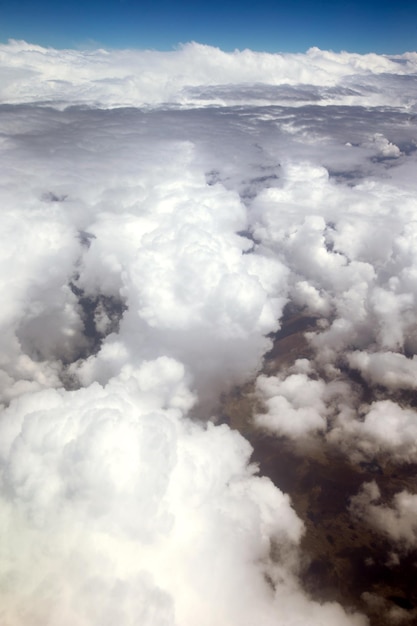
(112, 78)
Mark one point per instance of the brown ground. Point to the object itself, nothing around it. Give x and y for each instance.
(346, 560)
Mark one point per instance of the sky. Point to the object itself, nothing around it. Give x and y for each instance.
(274, 26)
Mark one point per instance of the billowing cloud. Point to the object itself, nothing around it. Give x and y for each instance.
(398, 521)
(294, 404)
(390, 369)
(387, 426)
(132, 512)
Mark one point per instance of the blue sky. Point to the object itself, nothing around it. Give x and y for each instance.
(274, 26)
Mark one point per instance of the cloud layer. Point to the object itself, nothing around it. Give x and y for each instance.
(196, 73)
(152, 246)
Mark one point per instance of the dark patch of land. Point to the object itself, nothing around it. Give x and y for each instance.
(345, 560)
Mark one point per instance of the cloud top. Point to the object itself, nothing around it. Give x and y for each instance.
(111, 78)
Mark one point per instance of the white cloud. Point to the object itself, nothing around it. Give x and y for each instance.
(391, 426)
(134, 78)
(294, 403)
(390, 369)
(398, 521)
(385, 148)
(130, 511)
(364, 431)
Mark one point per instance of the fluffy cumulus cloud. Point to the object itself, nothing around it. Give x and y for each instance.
(177, 261)
(133, 513)
(385, 427)
(398, 521)
(294, 402)
(390, 369)
(162, 213)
